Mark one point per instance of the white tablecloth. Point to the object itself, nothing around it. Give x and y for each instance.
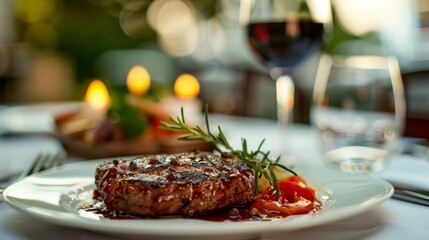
(391, 220)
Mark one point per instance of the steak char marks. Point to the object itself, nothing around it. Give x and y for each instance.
(175, 184)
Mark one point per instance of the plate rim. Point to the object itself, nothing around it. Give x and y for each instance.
(228, 228)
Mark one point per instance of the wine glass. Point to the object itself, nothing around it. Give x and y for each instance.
(359, 108)
(282, 34)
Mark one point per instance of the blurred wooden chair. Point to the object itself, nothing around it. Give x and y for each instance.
(416, 85)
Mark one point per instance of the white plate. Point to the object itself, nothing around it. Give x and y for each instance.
(55, 195)
(34, 118)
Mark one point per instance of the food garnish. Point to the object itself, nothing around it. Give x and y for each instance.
(295, 198)
(259, 160)
(226, 185)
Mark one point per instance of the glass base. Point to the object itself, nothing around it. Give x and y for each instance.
(358, 158)
(357, 165)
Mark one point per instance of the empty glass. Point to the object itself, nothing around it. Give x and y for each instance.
(359, 108)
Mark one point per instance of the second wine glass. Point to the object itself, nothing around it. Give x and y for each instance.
(359, 108)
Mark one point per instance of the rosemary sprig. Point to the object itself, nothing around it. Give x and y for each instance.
(258, 160)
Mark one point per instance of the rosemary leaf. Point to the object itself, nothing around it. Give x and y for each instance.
(258, 160)
(275, 180)
(285, 168)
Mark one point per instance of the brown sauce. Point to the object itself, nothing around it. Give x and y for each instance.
(236, 214)
(241, 214)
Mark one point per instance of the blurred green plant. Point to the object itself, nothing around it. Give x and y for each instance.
(132, 121)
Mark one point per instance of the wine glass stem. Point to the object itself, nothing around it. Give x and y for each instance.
(285, 90)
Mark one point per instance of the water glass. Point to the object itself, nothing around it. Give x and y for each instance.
(359, 110)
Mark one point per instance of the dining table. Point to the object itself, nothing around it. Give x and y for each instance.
(297, 144)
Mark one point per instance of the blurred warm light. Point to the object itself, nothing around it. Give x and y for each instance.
(97, 96)
(366, 62)
(213, 42)
(138, 80)
(42, 33)
(49, 77)
(132, 20)
(34, 11)
(320, 10)
(285, 97)
(244, 12)
(176, 23)
(285, 89)
(363, 16)
(171, 15)
(186, 86)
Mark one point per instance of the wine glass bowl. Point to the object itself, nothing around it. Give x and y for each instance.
(283, 34)
(285, 44)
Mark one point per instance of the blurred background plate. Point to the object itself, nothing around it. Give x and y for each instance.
(33, 118)
(151, 145)
(39, 120)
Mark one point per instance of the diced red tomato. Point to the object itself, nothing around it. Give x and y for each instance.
(297, 179)
(302, 206)
(155, 123)
(293, 191)
(295, 198)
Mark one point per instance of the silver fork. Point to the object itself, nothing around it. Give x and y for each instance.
(42, 162)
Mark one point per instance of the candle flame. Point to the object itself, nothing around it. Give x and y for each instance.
(97, 96)
(186, 86)
(138, 80)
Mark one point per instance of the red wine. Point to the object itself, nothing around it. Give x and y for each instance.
(285, 44)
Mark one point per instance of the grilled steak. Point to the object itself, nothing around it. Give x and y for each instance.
(178, 184)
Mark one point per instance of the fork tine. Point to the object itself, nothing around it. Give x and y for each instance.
(41, 163)
(56, 160)
(33, 165)
(62, 158)
(44, 161)
(51, 161)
